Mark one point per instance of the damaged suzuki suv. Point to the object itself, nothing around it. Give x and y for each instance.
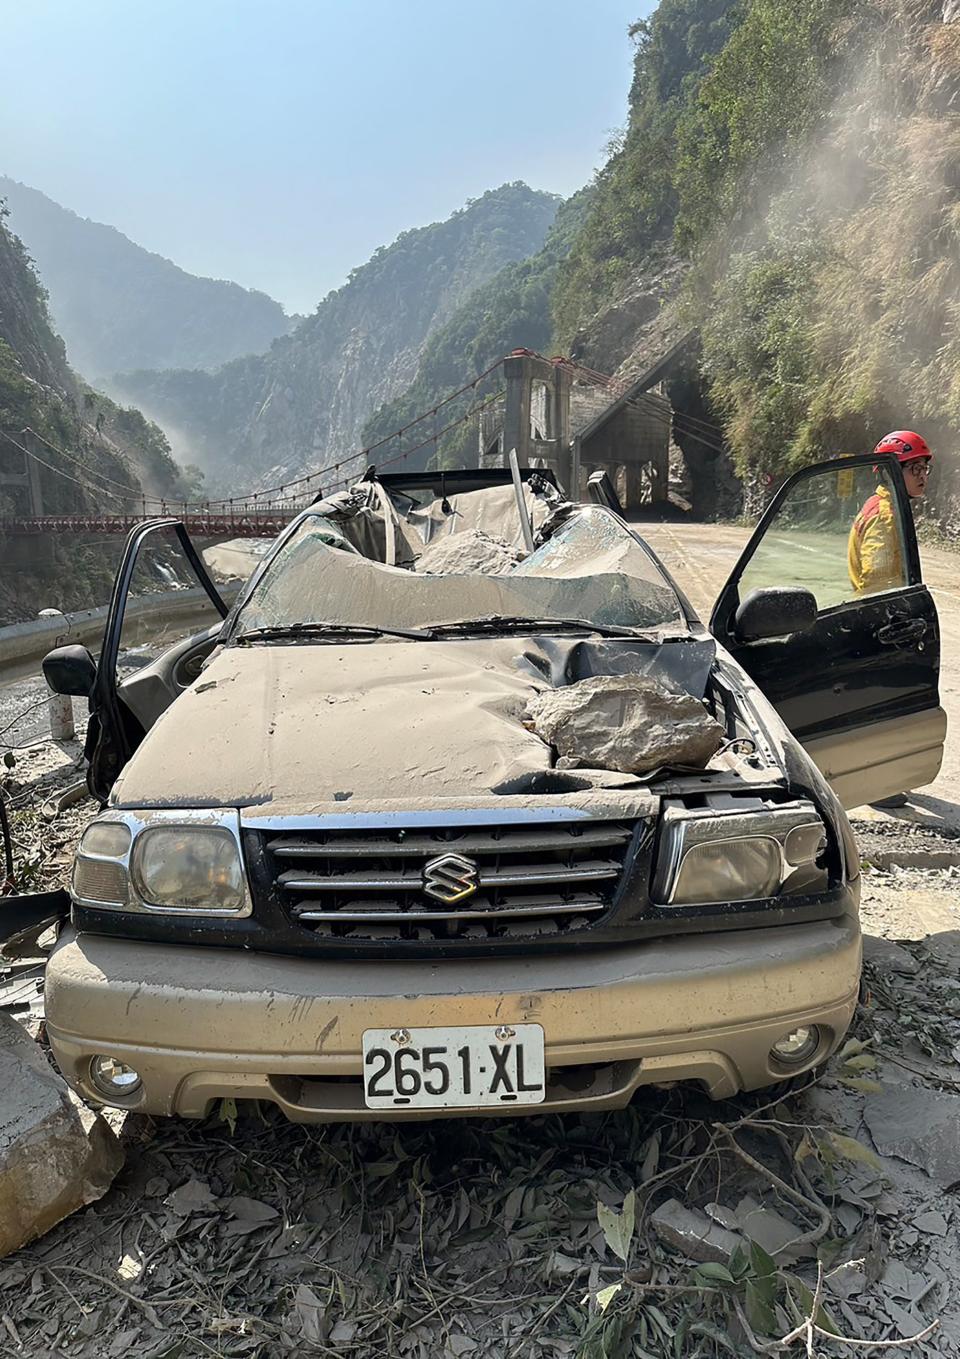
(338, 869)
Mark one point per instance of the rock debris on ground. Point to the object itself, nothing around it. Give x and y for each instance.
(247, 1235)
(56, 1155)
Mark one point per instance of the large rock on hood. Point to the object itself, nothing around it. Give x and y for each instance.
(470, 550)
(55, 1154)
(630, 723)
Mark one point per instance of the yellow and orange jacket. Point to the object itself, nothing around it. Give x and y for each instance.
(874, 559)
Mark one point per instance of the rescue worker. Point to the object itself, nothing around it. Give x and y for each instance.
(874, 557)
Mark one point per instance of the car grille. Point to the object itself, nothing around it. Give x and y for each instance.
(529, 881)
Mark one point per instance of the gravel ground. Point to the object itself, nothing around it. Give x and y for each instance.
(245, 1235)
(910, 903)
(23, 713)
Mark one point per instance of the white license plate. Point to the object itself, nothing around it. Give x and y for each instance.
(477, 1066)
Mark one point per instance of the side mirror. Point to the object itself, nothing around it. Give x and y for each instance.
(776, 611)
(70, 670)
(601, 492)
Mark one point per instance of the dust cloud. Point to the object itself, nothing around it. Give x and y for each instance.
(869, 203)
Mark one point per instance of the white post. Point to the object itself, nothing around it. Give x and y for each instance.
(59, 706)
(525, 526)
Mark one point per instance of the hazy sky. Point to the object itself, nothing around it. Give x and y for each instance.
(279, 142)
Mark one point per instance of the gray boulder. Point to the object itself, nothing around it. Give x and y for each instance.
(691, 1233)
(469, 551)
(56, 1155)
(630, 723)
(919, 1126)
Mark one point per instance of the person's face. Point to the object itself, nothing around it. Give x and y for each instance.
(915, 475)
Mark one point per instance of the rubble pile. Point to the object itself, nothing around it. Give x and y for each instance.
(33, 782)
(470, 551)
(629, 723)
(249, 1235)
(688, 1227)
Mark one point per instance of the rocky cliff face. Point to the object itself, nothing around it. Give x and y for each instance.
(640, 323)
(32, 347)
(88, 453)
(650, 317)
(119, 306)
(101, 445)
(817, 234)
(260, 420)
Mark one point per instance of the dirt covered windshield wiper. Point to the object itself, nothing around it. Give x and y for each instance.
(498, 622)
(295, 632)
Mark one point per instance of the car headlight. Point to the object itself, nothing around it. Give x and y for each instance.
(738, 850)
(100, 869)
(189, 868)
(186, 862)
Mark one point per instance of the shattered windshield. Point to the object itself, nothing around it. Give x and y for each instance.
(591, 569)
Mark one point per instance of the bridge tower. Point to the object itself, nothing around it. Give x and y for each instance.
(20, 477)
(20, 495)
(536, 417)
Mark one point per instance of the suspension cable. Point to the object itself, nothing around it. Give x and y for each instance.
(58, 471)
(134, 491)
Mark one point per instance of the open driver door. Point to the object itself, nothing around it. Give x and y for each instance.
(855, 676)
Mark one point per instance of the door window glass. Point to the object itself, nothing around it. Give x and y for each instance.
(165, 603)
(838, 533)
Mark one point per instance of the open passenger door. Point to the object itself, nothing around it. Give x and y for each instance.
(854, 673)
(124, 706)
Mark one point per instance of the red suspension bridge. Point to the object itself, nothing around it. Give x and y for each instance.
(264, 523)
(28, 461)
(555, 412)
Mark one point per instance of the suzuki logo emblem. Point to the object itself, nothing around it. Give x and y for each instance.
(450, 878)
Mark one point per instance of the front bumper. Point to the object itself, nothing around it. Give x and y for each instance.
(200, 1024)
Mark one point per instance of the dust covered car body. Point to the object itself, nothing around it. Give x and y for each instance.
(338, 869)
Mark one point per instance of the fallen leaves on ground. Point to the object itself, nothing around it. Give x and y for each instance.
(503, 1239)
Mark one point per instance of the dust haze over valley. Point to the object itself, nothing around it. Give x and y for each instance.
(224, 391)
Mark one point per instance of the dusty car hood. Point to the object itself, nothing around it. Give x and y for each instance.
(294, 727)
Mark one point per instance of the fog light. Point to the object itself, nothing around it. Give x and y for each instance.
(798, 1046)
(112, 1078)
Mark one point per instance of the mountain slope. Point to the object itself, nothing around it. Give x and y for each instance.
(829, 282)
(90, 454)
(509, 311)
(272, 416)
(635, 198)
(119, 306)
(810, 188)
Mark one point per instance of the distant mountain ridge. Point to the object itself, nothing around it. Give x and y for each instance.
(263, 419)
(119, 306)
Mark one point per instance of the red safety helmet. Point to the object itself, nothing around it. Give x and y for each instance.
(907, 445)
